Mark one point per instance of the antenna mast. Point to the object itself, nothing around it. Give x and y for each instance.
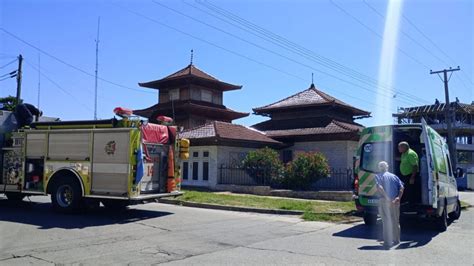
(96, 68)
(39, 80)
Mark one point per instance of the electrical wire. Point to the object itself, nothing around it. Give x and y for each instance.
(411, 38)
(376, 33)
(209, 43)
(70, 65)
(265, 49)
(295, 48)
(9, 63)
(9, 74)
(59, 87)
(232, 52)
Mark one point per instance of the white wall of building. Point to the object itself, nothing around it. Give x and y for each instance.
(339, 153)
(218, 156)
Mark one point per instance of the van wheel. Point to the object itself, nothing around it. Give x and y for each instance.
(14, 196)
(370, 219)
(442, 221)
(115, 205)
(457, 211)
(66, 195)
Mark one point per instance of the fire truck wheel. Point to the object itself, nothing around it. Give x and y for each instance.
(115, 204)
(14, 196)
(66, 195)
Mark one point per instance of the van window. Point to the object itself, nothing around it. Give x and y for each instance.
(439, 158)
(450, 173)
(373, 153)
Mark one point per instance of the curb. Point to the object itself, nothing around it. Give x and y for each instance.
(228, 208)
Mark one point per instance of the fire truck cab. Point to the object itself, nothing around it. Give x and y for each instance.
(117, 161)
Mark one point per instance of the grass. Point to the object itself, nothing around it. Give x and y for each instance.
(333, 211)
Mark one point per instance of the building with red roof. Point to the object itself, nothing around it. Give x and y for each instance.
(312, 120)
(192, 97)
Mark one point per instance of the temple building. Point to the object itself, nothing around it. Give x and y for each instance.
(312, 120)
(192, 97)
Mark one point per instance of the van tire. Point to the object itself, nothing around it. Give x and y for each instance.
(457, 211)
(14, 196)
(442, 221)
(66, 195)
(370, 218)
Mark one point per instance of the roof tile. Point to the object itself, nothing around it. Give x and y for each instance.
(332, 128)
(228, 131)
(311, 96)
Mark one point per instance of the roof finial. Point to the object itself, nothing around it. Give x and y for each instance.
(192, 55)
(312, 79)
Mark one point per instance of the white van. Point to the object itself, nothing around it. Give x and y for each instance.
(439, 198)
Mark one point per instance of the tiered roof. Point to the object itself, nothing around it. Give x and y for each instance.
(190, 74)
(311, 97)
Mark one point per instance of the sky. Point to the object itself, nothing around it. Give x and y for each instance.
(340, 41)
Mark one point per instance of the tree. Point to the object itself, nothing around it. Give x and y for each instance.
(9, 103)
(306, 169)
(264, 165)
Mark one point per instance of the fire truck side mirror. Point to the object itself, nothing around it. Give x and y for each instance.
(183, 149)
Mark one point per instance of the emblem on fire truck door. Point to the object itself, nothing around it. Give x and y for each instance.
(110, 147)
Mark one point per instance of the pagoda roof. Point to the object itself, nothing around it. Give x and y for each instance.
(190, 74)
(190, 107)
(311, 97)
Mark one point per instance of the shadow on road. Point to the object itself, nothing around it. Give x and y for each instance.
(413, 234)
(43, 216)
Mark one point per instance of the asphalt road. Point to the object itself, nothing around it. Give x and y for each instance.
(30, 233)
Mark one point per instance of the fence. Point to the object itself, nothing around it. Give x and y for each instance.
(339, 179)
(235, 175)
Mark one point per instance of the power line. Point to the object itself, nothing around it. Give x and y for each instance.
(9, 63)
(36, 66)
(375, 33)
(9, 74)
(68, 64)
(263, 48)
(209, 43)
(433, 43)
(59, 86)
(227, 50)
(410, 38)
(295, 48)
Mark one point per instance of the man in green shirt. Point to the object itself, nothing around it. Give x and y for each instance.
(409, 166)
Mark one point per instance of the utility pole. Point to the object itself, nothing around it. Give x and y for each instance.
(18, 79)
(96, 68)
(448, 113)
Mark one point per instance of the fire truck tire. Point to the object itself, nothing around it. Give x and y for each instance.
(14, 196)
(66, 195)
(115, 204)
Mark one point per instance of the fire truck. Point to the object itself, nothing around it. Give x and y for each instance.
(117, 162)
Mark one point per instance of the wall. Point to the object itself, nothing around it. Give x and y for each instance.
(338, 153)
(218, 156)
(200, 159)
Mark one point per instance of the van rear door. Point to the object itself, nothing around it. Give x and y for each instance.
(432, 184)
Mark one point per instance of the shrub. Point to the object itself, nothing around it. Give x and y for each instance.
(307, 168)
(264, 165)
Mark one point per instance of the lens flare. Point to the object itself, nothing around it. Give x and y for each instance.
(388, 56)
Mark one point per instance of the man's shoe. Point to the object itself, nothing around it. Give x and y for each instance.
(396, 242)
